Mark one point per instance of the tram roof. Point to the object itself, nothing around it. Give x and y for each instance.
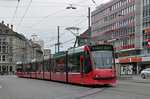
(46, 57)
(59, 54)
(33, 60)
(39, 59)
(19, 63)
(26, 62)
(76, 50)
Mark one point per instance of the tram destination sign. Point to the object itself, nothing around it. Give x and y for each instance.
(101, 47)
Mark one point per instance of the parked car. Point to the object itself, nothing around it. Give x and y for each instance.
(145, 73)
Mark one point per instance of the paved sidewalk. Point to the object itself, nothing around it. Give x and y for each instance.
(139, 79)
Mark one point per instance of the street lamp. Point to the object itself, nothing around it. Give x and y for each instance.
(70, 7)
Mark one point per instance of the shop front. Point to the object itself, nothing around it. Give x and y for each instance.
(132, 66)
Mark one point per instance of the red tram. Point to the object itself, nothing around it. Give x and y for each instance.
(88, 65)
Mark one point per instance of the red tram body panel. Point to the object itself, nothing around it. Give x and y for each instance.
(33, 75)
(88, 65)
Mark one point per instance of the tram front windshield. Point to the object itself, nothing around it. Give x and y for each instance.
(102, 60)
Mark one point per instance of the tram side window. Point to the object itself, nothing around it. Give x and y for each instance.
(24, 69)
(28, 68)
(46, 66)
(19, 68)
(33, 67)
(53, 66)
(40, 65)
(58, 66)
(63, 66)
(87, 67)
(74, 64)
(36, 67)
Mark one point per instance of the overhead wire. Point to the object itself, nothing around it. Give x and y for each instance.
(47, 2)
(53, 38)
(7, 0)
(74, 21)
(63, 42)
(82, 2)
(78, 4)
(42, 20)
(74, 26)
(68, 40)
(33, 25)
(23, 15)
(47, 17)
(31, 6)
(15, 12)
(81, 22)
(63, 34)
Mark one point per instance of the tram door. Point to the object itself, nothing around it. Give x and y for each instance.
(82, 68)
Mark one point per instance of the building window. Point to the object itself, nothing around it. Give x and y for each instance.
(0, 58)
(0, 30)
(0, 41)
(7, 31)
(0, 49)
(4, 58)
(3, 49)
(10, 68)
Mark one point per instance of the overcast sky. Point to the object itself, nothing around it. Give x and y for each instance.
(41, 17)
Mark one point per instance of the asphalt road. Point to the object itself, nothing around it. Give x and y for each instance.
(12, 87)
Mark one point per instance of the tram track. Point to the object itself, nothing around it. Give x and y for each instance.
(97, 92)
(88, 93)
(130, 92)
(114, 89)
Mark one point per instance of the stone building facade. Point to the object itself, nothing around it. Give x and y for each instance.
(47, 52)
(15, 47)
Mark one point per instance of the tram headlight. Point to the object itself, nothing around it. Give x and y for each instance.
(96, 76)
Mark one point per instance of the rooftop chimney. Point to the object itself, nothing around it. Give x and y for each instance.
(11, 27)
(3, 22)
(8, 25)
